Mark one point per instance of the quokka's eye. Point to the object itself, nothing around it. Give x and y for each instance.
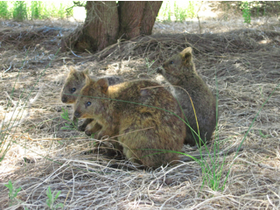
(171, 62)
(88, 103)
(72, 90)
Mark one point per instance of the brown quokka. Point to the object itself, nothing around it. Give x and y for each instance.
(128, 111)
(74, 82)
(180, 71)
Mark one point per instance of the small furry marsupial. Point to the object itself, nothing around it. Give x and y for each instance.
(74, 82)
(180, 71)
(134, 113)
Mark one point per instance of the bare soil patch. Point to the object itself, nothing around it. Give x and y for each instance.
(241, 65)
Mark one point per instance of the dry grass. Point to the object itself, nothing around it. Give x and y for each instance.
(245, 63)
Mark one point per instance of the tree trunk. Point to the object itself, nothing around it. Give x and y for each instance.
(130, 14)
(106, 22)
(149, 16)
(99, 30)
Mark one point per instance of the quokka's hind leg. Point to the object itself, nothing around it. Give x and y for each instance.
(147, 148)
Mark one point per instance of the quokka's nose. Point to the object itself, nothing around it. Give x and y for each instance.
(159, 70)
(77, 114)
(64, 99)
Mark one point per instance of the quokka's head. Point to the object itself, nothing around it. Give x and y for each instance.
(90, 103)
(75, 81)
(177, 66)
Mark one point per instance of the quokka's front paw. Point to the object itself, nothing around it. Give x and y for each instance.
(86, 123)
(99, 135)
(92, 128)
(88, 132)
(82, 127)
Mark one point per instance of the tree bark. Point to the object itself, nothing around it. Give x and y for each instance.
(131, 14)
(101, 26)
(149, 16)
(99, 30)
(106, 22)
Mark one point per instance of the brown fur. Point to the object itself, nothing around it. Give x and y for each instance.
(180, 71)
(74, 82)
(142, 130)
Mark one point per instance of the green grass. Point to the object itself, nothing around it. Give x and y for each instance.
(30, 10)
(36, 10)
(246, 11)
(178, 10)
(4, 12)
(52, 198)
(19, 11)
(12, 192)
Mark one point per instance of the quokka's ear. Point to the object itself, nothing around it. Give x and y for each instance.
(186, 54)
(88, 79)
(72, 70)
(188, 49)
(103, 84)
(86, 71)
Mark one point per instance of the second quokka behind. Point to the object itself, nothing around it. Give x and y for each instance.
(135, 112)
(193, 94)
(74, 82)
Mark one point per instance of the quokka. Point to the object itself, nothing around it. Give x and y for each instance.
(134, 112)
(74, 82)
(189, 87)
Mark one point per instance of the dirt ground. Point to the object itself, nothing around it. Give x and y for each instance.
(239, 62)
